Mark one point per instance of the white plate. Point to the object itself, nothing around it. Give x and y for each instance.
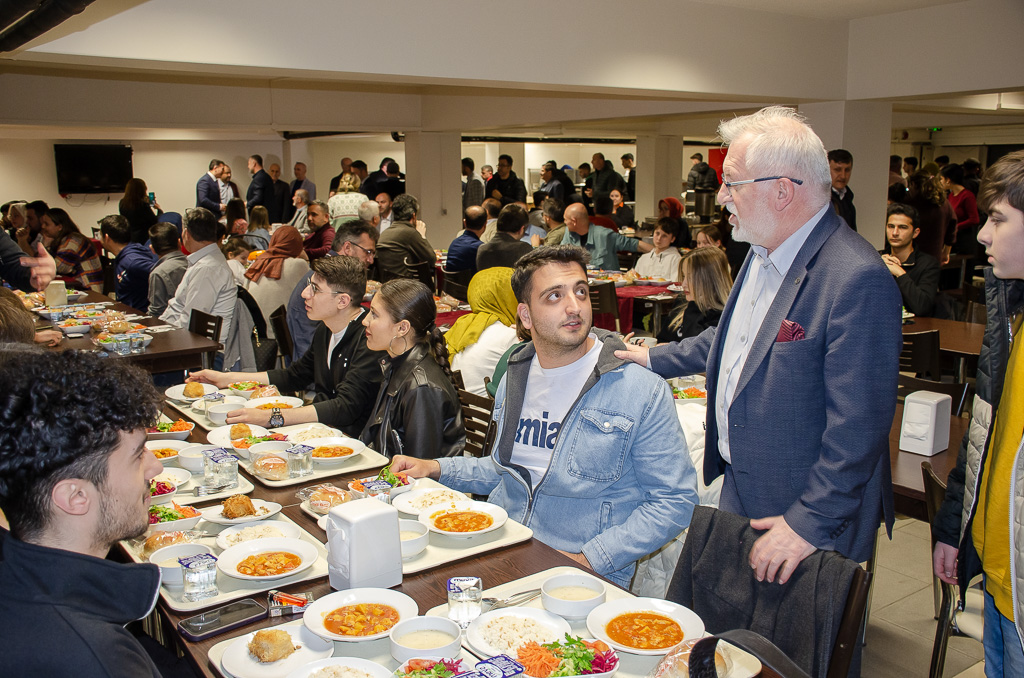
(344, 441)
(322, 431)
(221, 436)
(289, 530)
(240, 663)
(156, 499)
(176, 445)
(179, 476)
(496, 512)
(404, 502)
(178, 392)
(375, 670)
(675, 287)
(654, 283)
(314, 615)
(599, 617)
(254, 403)
(228, 561)
(475, 633)
(213, 514)
(74, 330)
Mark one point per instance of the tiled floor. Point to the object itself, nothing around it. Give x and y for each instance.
(901, 627)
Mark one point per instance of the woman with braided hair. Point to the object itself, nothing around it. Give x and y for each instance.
(417, 411)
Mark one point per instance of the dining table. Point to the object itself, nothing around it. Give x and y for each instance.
(958, 340)
(427, 588)
(171, 350)
(907, 481)
(626, 296)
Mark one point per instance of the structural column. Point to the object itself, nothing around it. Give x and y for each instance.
(434, 175)
(864, 128)
(659, 161)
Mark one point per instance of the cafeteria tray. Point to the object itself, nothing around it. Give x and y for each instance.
(367, 459)
(443, 549)
(229, 587)
(378, 651)
(630, 665)
(201, 420)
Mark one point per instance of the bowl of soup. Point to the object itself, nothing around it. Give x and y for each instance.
(572, 595)
(414, 535)
(425, 636)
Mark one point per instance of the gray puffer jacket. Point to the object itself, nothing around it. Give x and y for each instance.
(1003, 299)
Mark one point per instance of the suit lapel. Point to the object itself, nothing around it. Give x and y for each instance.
(795, 278)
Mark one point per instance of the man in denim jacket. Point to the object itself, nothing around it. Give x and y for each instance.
(589, 451)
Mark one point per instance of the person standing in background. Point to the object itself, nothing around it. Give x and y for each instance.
(302, 182)
(282, 201)
(473, 194)
(137, 208)
(261, 188)
(840, 164)
(208, 188)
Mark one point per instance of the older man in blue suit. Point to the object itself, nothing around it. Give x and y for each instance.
(803, 366)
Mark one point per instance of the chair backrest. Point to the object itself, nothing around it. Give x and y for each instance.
(480, 429)
(602, 298)
(255, 312)
(456, 283)
(279, 321)
(974, 303)
(934, 491)
(958, 392)
(921, 355)
(205, 324)
(849, 625)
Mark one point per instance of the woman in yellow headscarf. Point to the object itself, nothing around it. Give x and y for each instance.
(477, 340)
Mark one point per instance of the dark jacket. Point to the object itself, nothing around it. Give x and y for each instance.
(462, 252)
(844, 207)
(702, 177)
(131, 275)
(418, 403)
(281, 209)
(503, 250)
(404, 253)
(694, 322)
(11, 270)
(920, 285)
(261, 191)
(512, 189)
(631, 184)
(713, 578)
(345, 390)
(63, 613)
(208, 194)
(605, 181)
(953, 522)
(139, 220)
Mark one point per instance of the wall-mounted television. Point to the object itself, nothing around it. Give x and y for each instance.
(92, 168)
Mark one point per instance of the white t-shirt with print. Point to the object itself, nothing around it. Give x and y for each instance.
(549, 395)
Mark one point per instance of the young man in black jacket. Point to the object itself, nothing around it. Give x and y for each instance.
(344, 372)
(916, 273)
(74, 480)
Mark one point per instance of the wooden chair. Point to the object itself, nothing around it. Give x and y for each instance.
(975, 310)
(460, 383)
(603, 300)
(285, 344)
(208, 326)
(920, 355)
(480, 429)
(958, 392)
(456, 283)
(950, 621)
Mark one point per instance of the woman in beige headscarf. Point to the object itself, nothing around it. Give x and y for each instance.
(273, 275)
(477, 341)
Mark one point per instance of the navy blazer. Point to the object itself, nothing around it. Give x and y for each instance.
(261, 191)
(208, 194)
(810, 419)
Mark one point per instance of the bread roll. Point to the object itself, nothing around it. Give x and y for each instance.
(325, 498)
(677, 660)
(194, 389)
(238, 506)
(271, 467)
(240, 431)
(158, 540)
(266, 392)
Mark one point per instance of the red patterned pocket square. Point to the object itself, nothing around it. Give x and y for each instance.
(790, 331)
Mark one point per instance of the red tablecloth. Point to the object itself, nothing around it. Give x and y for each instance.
(625, 296)
(450, 317)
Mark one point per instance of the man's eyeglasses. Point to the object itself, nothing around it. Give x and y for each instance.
(729, 184)
(317, 290)
(372, 253)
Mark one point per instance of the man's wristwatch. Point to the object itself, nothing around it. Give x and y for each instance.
(276, 419)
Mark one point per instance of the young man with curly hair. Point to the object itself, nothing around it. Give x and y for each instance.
(74, 480)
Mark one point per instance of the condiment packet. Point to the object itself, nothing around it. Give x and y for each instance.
(280, 603)
(498, 666)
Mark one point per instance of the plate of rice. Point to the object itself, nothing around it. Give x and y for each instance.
(264, 529)
(420, 500)
(341, 667)
(504, 631)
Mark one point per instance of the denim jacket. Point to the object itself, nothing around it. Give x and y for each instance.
(620, 483)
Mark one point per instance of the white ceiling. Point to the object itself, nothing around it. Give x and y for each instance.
(830, 9)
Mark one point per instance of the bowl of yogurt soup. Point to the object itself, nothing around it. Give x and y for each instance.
(414, 536)
(425, 637)
(572, 595)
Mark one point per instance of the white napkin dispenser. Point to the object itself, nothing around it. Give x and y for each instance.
(363, 545)
(925, 428)
(56, 294)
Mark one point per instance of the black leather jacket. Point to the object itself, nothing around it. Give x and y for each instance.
(417, 411)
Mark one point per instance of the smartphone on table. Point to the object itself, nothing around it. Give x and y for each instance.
(221, 619)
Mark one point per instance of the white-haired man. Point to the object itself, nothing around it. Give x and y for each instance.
(802, 368)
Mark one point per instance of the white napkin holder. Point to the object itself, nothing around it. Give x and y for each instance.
(56, 294)
(925, 428)
(363, 545)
